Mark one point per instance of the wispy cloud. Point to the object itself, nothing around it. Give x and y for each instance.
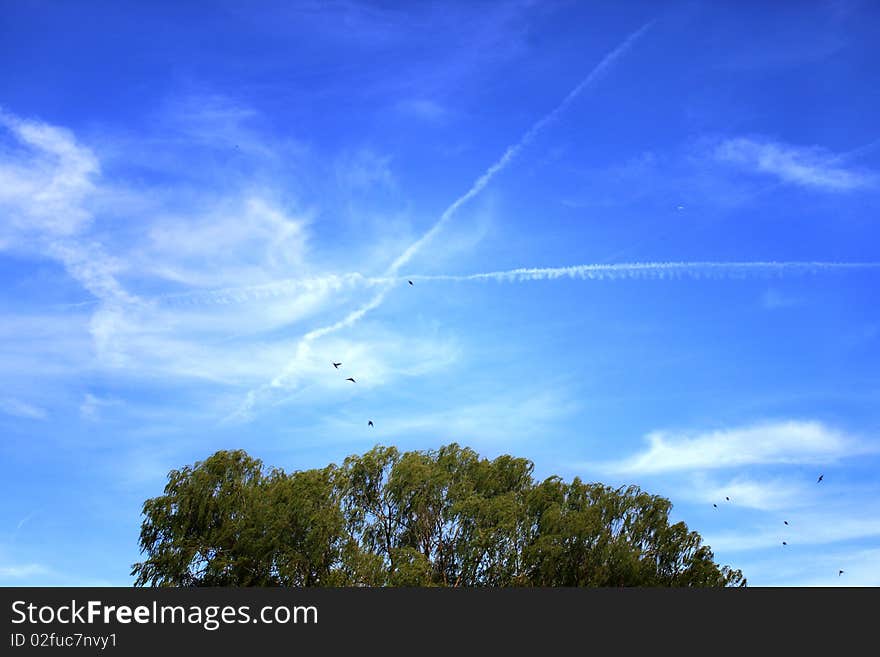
(235, 239)
(43, 188)
(793, 441)
(18, 408)
(812, 167)
(46, 185)
(48, 182)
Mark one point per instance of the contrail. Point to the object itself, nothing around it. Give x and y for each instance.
(512, 151)
(598, 272)
(657, 270)
(503, 162)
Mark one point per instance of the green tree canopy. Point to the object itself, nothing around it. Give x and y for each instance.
(442, 517)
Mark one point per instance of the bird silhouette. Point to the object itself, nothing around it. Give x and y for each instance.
(821, 477)
(715, 505)
(785, 521)
(839, 573)
(727, 498)
(336, 365)
(369, 423)
(784, 543)
(351, 379)
(410, 282)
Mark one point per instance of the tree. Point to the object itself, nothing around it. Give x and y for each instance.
(442, 517)
(208, 529)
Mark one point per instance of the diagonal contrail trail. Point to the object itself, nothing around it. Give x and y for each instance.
(513, 151)
(506, 158)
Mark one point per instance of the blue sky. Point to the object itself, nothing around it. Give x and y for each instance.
(201, 210)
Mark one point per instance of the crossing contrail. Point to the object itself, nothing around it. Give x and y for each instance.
(502, 163)
(594, 272)
(512, 151)
(657, 270)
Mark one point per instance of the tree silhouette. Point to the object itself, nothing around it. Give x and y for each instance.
(442, 517)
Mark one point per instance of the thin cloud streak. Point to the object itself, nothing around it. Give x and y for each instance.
(788, 442)
(659, 270)
(597, 272)
(807, 167)
(503, 162)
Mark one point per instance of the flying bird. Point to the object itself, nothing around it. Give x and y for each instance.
(785, 521)
(369, 423)
(336, 365)
(839, 573)
(351, 379)
(784, 543)
(821, 477)
(715, 505)
(727, 498)
(410, 282)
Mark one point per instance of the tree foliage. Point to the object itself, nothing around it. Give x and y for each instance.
(442, 517)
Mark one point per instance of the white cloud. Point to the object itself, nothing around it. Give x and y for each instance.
(240, 241)
(18, 408)
(791, 441)
(806, 166)
(241, 238)
(45, 188)
(91, 266)
(45, 182)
